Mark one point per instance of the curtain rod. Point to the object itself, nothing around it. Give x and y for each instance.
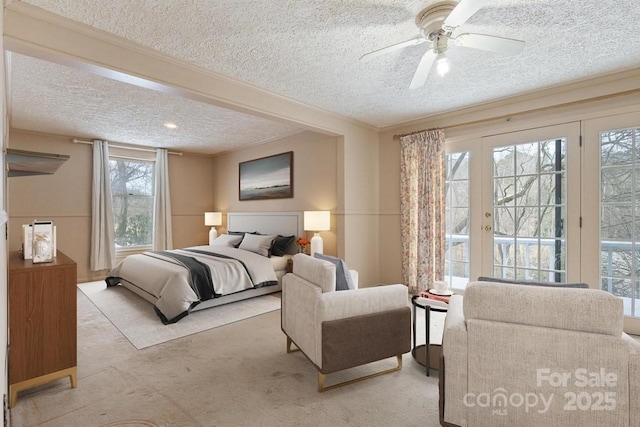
(150, 150)
(413, 133)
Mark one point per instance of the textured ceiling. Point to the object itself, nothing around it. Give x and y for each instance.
(309, 50)
(52, 98)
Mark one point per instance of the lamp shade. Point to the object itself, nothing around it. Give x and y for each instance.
(213, 218)
(317, 220)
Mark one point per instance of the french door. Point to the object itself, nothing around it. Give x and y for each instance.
(535, 205)
(611, 210)
(513, 206)
(531, 204)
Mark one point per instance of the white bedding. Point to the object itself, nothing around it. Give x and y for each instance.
(167, 284)
(279, 263)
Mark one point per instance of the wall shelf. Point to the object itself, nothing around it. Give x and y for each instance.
(28, 163)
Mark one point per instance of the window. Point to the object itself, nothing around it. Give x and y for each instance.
(620, 219)
(457, 212)
(132, 198)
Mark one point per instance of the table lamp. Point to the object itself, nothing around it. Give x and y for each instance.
(212, 219)
(317, 221)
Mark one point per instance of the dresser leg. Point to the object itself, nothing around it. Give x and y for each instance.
(73, 376)
(72, 373)
(13, 396)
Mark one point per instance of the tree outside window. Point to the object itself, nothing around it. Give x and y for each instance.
(620, 215)
(132, 198)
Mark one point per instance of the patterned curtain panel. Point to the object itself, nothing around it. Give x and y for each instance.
(422, 215)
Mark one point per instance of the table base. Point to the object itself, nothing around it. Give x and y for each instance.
(435, 352)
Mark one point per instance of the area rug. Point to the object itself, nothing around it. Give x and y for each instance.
(138, 322)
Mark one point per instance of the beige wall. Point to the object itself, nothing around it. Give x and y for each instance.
(198, 184)
(390, 210)
(314, 179)
(359, 164)
(65, 197)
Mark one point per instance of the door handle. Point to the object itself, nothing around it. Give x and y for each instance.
(487, 228)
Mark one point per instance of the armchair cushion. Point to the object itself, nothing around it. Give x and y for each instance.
(319, 272)
(585, 310)
(344, 281)
(358, 302)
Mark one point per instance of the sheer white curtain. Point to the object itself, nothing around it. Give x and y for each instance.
(103, 248)
(162, 236)
(422, 202)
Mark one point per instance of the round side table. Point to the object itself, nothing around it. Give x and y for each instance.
(421, 353)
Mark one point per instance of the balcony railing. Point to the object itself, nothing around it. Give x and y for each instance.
(609, 250)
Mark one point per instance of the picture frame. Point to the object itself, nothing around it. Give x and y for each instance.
(43, 241)
(266, 178)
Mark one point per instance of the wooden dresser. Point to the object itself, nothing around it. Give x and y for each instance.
(42, 322)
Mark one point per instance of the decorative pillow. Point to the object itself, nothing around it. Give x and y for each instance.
(344, 281)
(280, 245)
(241, 234)
(257, 243)
(227, 240)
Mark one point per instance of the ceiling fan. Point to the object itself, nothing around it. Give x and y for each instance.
(437, 24)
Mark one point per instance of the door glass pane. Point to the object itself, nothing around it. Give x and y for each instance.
(503, 190)
(503, 159)
(529, 205)
(526, 191)
(457, 219)
(528, 221)
(620, 219)
(526, 158)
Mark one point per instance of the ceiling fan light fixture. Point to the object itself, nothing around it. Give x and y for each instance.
(437, 24)
(442, 65)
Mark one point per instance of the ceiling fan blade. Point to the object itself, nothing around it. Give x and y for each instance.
(413, 42)
(463, 11)
(490, 43)
(422, 72)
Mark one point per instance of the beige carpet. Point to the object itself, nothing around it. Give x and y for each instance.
(136, 319)
(235, 375)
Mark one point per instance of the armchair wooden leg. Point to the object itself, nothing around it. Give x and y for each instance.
(289, 350)
(322, 377)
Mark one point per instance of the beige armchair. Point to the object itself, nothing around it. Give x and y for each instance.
(337, 330)
(519, 355)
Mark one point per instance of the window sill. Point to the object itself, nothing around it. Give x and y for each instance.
(123, 252)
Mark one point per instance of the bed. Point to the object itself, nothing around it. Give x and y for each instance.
(180, 281)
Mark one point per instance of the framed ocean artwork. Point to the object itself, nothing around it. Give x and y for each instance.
(267, 178)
